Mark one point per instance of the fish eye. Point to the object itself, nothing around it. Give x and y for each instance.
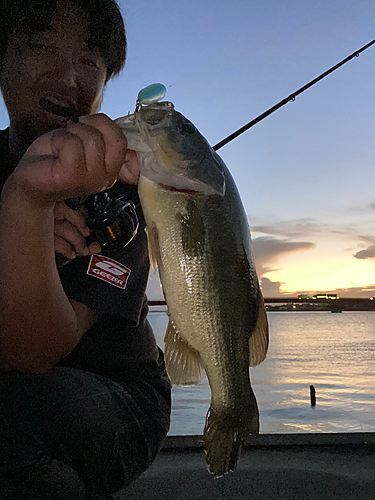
(187, 128)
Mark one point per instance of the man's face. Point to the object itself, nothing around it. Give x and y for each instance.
(51, 76)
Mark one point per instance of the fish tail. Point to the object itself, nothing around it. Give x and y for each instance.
(224, 433)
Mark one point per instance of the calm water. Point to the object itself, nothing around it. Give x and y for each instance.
(333, 352)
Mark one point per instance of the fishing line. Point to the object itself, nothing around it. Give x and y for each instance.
(291, 97)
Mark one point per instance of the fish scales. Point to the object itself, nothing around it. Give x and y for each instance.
(199, 237)
(210, 294)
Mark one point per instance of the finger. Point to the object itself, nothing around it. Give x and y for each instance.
(55, 163)
(64, 229)
(76, 217)
(115, 142)
(129, 173)
(94, 248)
(68, 152)
(64, 248)
(93, 143)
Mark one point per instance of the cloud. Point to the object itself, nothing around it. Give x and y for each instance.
(267, 249)
(353, 292)
(302, 228)
(367, 248)
(367, 253)
(308, 228)
(274, 289)
(271, 288)
(368, 208)
(291, 229)
(367, 238)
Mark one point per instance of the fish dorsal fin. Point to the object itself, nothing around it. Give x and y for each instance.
(192, 231)
(183, 363)
(153, 249)
(258, 343)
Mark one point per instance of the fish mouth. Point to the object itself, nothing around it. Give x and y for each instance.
(58, 106)
(195, 187)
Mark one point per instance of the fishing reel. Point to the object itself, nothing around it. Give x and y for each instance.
(112, 220)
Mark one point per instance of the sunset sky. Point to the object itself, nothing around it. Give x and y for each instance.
(306, 174)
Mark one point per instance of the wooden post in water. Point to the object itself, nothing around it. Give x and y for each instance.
(312, 396)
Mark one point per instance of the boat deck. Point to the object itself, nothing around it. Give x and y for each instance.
(274, 466)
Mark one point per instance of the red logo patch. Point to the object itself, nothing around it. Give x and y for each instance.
(108, 270)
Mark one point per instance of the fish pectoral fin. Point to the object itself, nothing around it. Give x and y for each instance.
(183, 363)
(192, 231)
(258, 343)
(153, 250)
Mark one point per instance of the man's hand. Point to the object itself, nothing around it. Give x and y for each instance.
(71, 231)
(129, 172)
(84, 158)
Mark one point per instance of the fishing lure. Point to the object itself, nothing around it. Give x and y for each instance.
(150, 95)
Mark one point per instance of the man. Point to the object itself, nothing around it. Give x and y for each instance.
(85, 400)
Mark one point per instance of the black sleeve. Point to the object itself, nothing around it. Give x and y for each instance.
(114, 281)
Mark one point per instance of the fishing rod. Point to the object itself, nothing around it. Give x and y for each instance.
(291, 97)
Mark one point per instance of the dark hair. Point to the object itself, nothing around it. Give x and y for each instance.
(107, 32)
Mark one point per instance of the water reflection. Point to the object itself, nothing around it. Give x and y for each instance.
(333, 352)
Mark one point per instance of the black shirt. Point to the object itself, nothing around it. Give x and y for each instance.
(113, 284)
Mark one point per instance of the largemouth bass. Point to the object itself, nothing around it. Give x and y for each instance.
(200, 240)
